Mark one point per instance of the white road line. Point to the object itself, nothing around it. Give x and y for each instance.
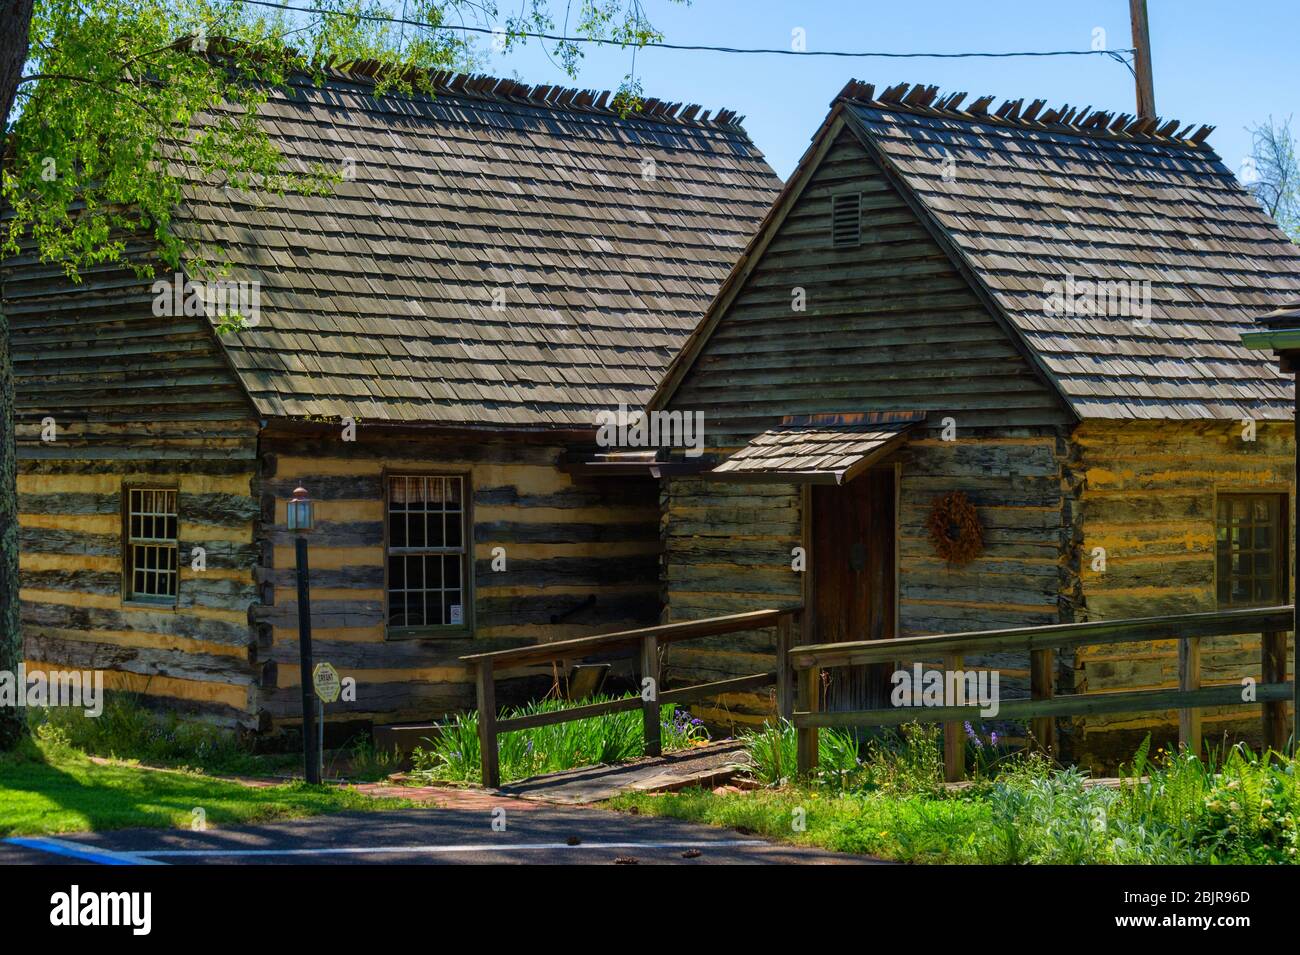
(475, 847)
(77, 850)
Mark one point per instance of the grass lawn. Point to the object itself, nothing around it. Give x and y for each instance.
(905, 829)
(49, 787)
(1233, 807)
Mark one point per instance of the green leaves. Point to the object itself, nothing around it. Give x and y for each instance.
(125, 106)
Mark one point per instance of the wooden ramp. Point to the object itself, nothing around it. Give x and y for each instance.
(710, 765)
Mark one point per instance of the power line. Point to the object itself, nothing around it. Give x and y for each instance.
(698, 47)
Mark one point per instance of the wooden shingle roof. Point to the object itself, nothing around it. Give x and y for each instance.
(498, 254)
(1027, 196)
(818, 449)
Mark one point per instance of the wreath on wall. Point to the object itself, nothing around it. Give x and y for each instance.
(954, 528)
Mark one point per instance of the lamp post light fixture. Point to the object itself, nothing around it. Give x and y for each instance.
(301, 511)
(300, 518)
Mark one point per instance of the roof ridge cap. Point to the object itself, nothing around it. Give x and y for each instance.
(1088, 122)
(546, 95)
(486, 87)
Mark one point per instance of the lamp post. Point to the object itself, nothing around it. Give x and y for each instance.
(300, 518)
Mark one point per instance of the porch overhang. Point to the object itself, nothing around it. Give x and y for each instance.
(818, 449)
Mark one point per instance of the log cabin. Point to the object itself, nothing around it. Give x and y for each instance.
(1022, 315)
(425, 348)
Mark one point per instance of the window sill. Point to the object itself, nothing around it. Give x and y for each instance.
(137, 603)
(428, 633)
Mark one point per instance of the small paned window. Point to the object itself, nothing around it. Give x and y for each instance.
(151, 546)
(428, 554)
(1251, 550)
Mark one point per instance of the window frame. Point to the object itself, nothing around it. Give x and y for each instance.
(129, 543)
(1282, 544)
(434, 631)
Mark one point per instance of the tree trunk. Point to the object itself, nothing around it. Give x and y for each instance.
(15, 31)
(12, 723)
(15, 26)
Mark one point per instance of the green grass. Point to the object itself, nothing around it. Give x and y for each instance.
(47, 786)
(126, 730)
(613, 738)
(1234, 807)
(909, 829)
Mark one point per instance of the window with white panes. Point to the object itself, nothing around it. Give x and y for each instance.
(151, 549)
(428, 556)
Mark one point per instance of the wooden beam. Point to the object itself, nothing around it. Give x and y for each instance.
(568, 714)
(1273, 653)
(1041, 688)
(1146, 95)
(1189, 678)
(487, 728)
(784, 675)
(664, 633)
(954, 739)
(1077, 704)
(650, 695)
(1057, 635)
(809, 703)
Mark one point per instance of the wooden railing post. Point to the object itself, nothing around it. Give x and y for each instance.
(1189, 678)
(650, 707)
(487, 724)
(954, 736)
(806, 736)
(1273, 654)
(784, 689)
(1040, 688)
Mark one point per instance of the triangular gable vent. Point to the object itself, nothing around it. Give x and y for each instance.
(846, 220)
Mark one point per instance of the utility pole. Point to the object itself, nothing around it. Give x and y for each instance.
(1146, 93)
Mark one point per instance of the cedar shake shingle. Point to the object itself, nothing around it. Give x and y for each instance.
(376, 301)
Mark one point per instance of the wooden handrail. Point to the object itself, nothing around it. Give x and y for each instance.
(1077, 704)
(1050, 637)
(663, 633)
(1273, 691)
(646, 641)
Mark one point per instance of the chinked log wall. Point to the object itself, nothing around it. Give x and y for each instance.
(565, 540)
(1149, 502)
(136, 399)
(728, 547)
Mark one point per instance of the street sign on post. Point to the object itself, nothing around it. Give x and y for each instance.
(325, 679)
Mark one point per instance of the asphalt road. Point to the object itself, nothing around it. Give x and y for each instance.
(532, 835)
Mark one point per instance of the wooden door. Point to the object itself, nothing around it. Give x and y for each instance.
(853, 566)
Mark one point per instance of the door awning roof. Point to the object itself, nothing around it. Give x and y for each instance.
(819, 449)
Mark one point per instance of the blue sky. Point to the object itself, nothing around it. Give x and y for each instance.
(1227, 64)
